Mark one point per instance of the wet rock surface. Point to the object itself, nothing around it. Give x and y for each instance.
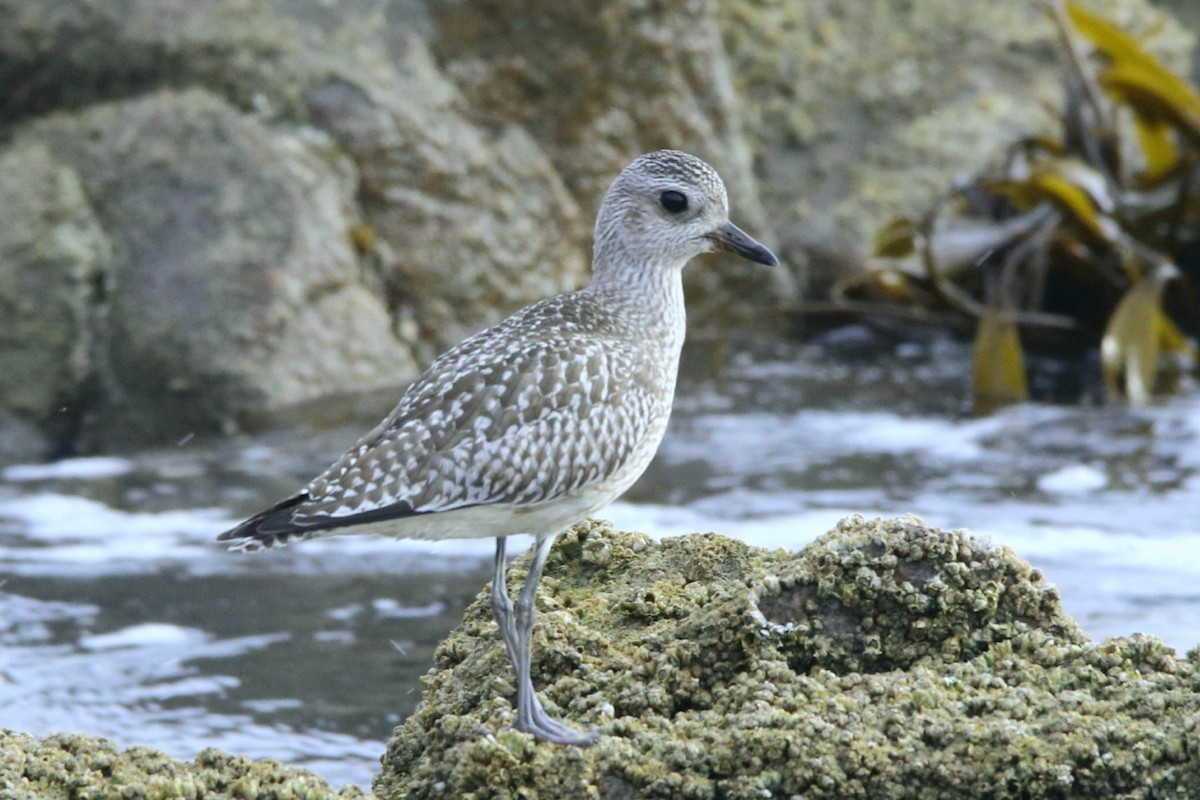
(887, 659)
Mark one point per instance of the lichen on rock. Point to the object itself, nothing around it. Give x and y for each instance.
(82, 767)
(886, 659)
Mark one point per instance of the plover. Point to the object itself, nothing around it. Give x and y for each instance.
(542, 420)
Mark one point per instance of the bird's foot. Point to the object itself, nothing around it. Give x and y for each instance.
(534, 720)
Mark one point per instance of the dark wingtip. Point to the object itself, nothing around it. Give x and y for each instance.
(284, 522)
(270, 528)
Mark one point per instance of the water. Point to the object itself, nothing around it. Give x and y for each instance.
(120, 617)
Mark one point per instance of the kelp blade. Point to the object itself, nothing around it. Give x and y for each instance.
(999, 368)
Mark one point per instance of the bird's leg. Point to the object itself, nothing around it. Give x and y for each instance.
(531, 717)
(502, 606)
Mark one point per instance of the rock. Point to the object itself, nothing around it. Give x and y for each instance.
(21, 440)
(471, 220)
(887, 659)
(72, 765)
(54, 258)
(313, 218)
(595, 89)
(472, 223)
(1188, 15)
(233, 285)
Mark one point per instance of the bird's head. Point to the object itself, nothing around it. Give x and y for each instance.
(665, 208)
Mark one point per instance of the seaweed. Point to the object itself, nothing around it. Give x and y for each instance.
(1084, 241)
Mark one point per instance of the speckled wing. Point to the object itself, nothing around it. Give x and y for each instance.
(536, 407)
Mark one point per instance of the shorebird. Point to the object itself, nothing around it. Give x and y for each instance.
(539, 422)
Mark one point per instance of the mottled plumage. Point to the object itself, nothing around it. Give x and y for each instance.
(556, 398)
(542, 420)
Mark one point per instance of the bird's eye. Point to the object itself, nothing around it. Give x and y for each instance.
(673, 201)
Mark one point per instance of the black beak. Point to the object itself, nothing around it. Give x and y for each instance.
(732, 239)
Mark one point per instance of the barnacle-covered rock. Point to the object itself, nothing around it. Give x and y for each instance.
(886, 659)
(76, 766)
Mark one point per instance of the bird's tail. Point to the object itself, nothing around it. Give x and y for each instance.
(274, 527)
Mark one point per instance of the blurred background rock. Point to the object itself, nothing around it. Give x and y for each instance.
(222, 215)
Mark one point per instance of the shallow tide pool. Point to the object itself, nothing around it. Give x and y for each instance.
(119, 615)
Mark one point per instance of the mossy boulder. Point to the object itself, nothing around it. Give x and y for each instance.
(77, 767)
(885, 660)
